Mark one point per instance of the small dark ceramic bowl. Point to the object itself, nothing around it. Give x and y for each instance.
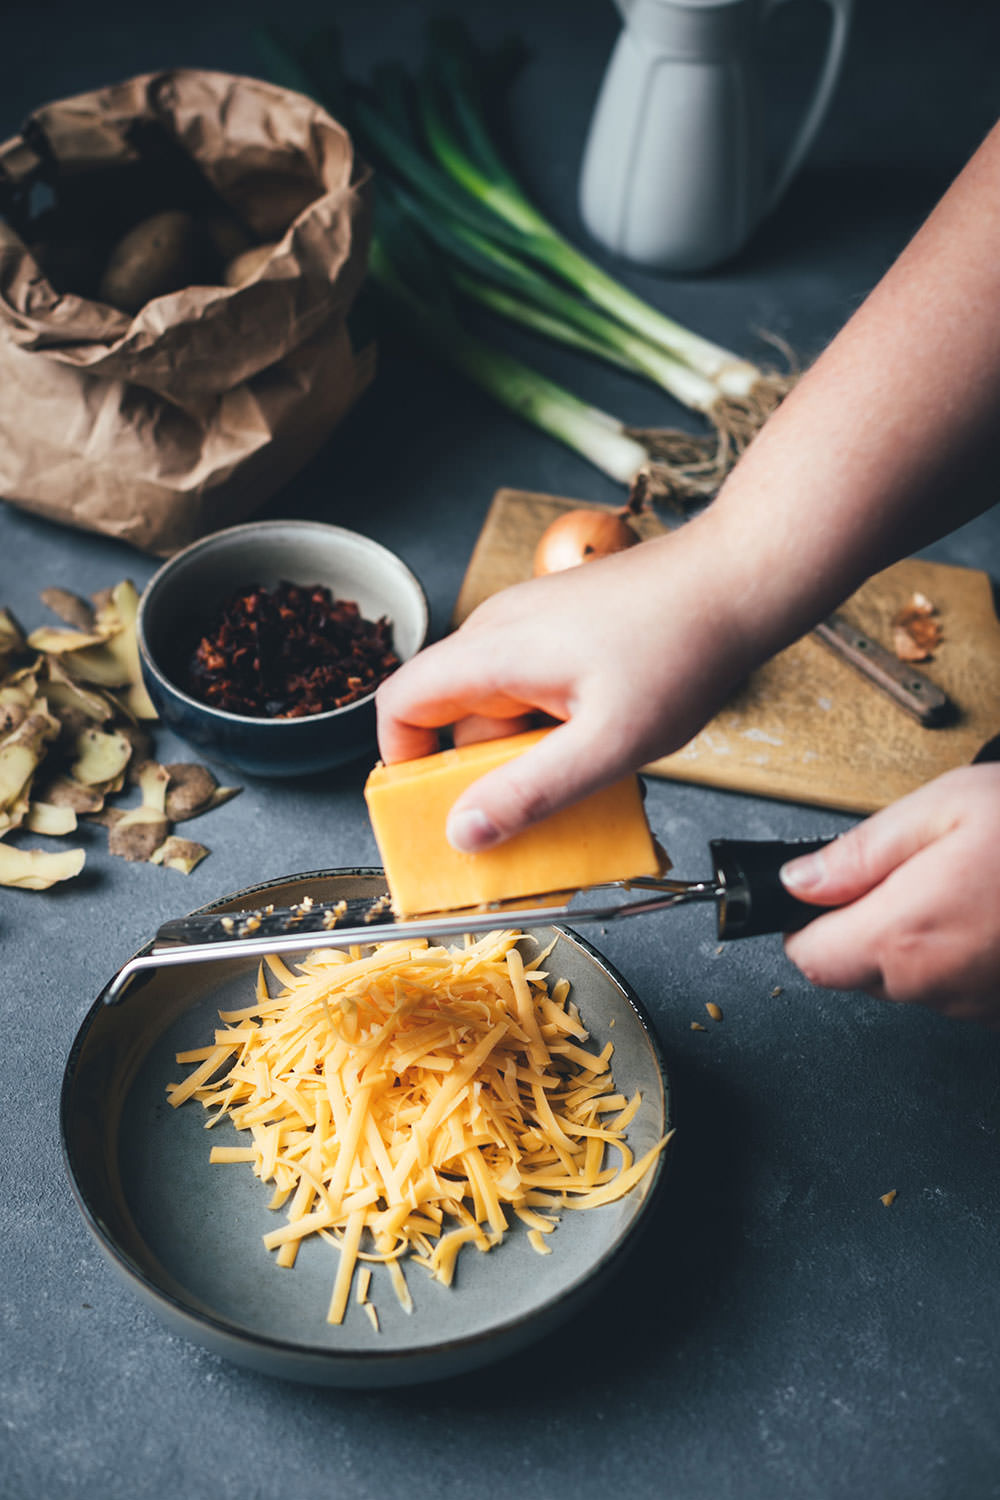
(181, 600)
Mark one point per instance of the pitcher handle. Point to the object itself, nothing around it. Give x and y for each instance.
(840, 25)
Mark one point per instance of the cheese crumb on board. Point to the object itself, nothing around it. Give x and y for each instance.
(408, 1100)
(889, 1198)
(605, 837)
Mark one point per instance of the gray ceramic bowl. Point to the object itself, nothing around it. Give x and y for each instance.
(181, 599)
(186, 1235)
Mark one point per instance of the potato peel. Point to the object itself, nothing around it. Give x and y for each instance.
(101, 757)
(126, 601)
(108, 653)
(97, 664)
(12, 641)
(72, 702)
(21, 752)
(64, 791)
(70, 608)
(137, 834)
(916, 630)
(47, 818)
(37, 869)
(61, 640)
(116, 616)
(17, 700)
(140, 831)
(72, 706)
(17, 766)
(179, 854)
(193, 790)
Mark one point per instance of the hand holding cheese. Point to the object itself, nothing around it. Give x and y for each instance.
(614, 651)
(603, 838)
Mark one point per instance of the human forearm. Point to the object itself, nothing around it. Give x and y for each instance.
(886, 442)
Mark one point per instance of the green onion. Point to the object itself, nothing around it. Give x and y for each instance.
(530, 315)
(404, 266)
(540, 303)
(594, 434)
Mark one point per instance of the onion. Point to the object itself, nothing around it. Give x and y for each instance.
(579, 536)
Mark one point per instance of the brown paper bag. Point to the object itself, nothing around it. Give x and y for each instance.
(182, 418)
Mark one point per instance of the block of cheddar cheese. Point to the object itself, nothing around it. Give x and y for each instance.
(602, 838)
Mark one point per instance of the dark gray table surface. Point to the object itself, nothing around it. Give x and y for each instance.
(779, 1334)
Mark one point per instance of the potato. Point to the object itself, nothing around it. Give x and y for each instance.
(243, 266)
(160, 254)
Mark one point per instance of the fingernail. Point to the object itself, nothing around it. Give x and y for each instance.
(471, 830)
(804, 874)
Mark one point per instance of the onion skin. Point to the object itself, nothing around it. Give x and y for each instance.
(579, 536)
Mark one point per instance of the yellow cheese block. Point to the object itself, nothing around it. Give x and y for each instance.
(604, 837)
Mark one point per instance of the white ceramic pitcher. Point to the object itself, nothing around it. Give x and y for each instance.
(673, 175)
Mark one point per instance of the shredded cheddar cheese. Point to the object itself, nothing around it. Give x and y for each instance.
(407, 1100)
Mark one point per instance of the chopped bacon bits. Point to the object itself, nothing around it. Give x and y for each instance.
(287, 652)
(916, 630)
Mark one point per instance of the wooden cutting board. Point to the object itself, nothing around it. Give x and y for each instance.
(806, 727)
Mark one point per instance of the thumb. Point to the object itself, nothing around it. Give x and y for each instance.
(863, 857)
(559, 770)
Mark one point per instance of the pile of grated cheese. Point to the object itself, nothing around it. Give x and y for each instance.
(406, 1100)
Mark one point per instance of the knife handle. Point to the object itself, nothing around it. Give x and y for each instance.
(903, 683)
(753, 899)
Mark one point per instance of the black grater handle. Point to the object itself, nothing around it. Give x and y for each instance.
(753, 899)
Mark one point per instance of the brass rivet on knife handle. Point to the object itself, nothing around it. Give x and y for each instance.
(910, 689)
